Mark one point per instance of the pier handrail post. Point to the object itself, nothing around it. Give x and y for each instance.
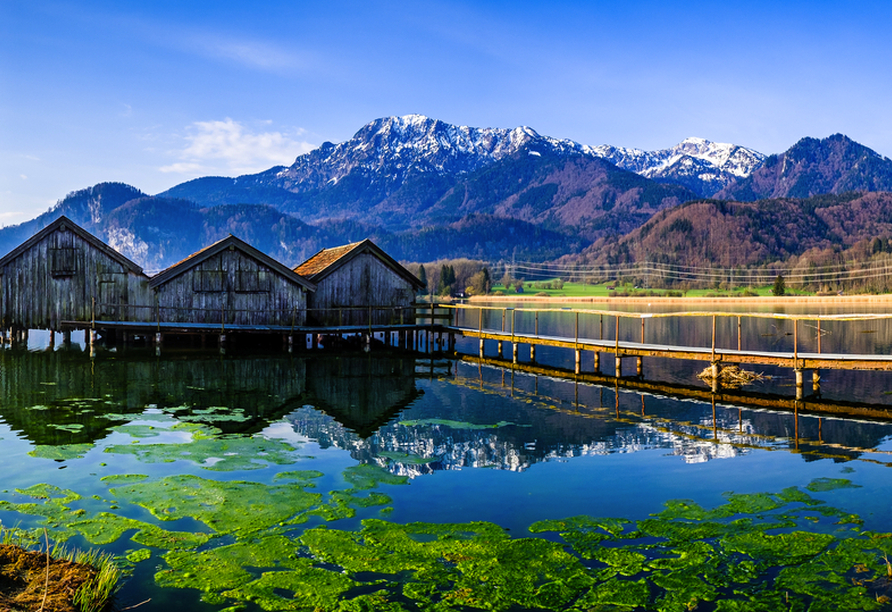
(738, 333)
(616, 334)
(480, 322)
(513, 321)
(642, 330)
(576, 336)
(713, 338)
(819, 335)
(796, 344)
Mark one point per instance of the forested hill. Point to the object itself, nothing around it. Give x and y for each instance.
(716, 233)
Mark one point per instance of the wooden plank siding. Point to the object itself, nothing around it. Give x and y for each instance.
(63, 273)
(231, 283)
(355, 280)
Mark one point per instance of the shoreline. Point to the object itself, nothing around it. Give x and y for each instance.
(766, 300)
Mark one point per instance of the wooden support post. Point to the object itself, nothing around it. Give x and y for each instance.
(597, 362)
(639, 366)
(799, 382)
(713, 342)
(532, 353)
(816, 381)
(796, 344)
(642, 330)
(578, 361)
(619, 366)
(616, 336)
(481, 348)
(499, 349)
(514, 353)
(819, 335)
(52, 339)
(738, 333)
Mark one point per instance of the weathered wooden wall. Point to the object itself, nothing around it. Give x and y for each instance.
(345, 295)
(232, 288)
(57, 280)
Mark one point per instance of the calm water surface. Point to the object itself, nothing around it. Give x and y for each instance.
(473, 443)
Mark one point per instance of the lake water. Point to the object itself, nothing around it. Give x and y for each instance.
(393, 481)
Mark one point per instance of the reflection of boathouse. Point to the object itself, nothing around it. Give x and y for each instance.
(362, 393)
(357, 281)
(64, 273)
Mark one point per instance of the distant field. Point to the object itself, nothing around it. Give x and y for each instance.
(581, 290)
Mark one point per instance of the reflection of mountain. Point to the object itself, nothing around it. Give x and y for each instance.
(512, 425)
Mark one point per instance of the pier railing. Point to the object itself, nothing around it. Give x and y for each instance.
(651, 334)
(294, 317)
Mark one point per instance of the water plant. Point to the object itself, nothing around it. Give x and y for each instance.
(56, 580)
(275, 546)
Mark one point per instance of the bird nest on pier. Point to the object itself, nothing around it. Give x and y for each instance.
(731, 376)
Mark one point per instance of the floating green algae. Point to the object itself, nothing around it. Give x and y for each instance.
(457, 424)
(211, 414)
(224, 506)
(406, 459)
(69, 427)
(114, 479)
(211, 450)
(820, 485)
(61, 452)
(138, 555)
(302, 476)
(755, 551)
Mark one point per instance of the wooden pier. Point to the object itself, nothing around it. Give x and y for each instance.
(715, 354)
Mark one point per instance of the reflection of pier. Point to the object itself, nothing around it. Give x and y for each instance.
(738, 421)
(733, 397)
(797, 360)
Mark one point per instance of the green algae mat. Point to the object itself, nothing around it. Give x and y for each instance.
(247, 545)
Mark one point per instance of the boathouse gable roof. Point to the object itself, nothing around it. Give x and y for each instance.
(63, 224)
(221, 245)
(327, 261)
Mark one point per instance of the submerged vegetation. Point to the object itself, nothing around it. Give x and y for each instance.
(263, 544)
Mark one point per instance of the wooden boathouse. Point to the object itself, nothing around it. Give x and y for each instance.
(359, 284)
(231, 283)
(64, 273)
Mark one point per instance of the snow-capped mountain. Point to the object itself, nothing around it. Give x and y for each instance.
(697, 163)
(391, 148)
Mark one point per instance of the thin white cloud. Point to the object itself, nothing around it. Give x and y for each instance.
(252, 54)
(230, 148)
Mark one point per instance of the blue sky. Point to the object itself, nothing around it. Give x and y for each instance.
(154, 93)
